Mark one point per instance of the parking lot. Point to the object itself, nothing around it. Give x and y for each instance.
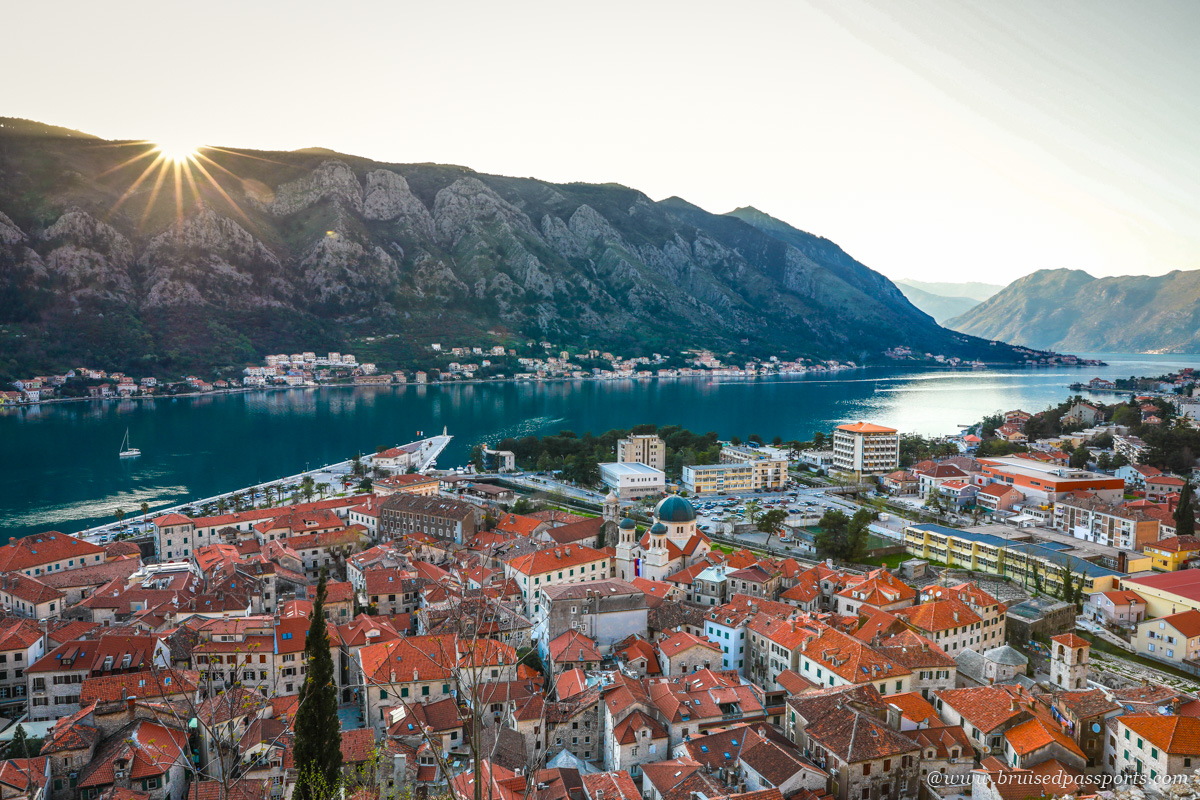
(720, 513)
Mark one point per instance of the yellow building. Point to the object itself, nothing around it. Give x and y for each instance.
(1167, 593)
(1013, 557)
(1168, 555)
(713, 478)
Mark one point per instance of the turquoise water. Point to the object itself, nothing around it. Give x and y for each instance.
(59, 468)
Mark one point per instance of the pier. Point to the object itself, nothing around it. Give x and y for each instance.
(426, 453)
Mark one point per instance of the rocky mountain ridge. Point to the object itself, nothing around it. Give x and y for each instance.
(1072, 310)
(271, 251)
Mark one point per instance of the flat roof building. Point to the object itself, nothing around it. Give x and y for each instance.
(632, 480)
(1011, 554)
(718, 478)
(862, 447)
(646, 449)
(1045, 483)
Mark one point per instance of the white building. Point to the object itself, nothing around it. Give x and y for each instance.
(632, 481)
(865, 448)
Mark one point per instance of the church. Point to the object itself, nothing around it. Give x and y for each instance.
(671, 544)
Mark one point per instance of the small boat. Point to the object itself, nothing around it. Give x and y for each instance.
(126, 450)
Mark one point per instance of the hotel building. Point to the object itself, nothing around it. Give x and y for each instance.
(865, 448)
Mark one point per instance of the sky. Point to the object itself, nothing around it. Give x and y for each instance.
(933, 140)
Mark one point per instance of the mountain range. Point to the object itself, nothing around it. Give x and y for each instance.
(239, 253)
(940, 307)
(1064, 308)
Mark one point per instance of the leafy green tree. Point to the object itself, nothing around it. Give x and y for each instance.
(771, 522)
(365, 486)
(1080, 458)
(1104, 461)
(819, 440)
(754, 438)
(1119, 460)
(735, 440)
(543, 462)
(1066, 590)
(777, 441)
(832, 538)
(356, 466)
(858, 535)
(1185, 512)
(318, 743)
(1036, 569)
(753, 509)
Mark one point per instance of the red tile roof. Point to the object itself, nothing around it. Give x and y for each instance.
(1186, 622)
(555, 558)
(518, 524)
(357, 745)
(1071, 640)
(939, 615)
(850, 659)
(140, 685)
(681, 641)
(626, 731)
(865, 427)
(33, 551)
(1034, 734)
(571, 647)
(987, 707)
(916, 708)
(1175, 735)
(613, 785)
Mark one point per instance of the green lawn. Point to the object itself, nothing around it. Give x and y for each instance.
(891, 562)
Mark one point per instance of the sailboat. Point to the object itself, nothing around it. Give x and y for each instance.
(126, 450)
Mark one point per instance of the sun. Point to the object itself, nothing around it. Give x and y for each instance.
(177, 150)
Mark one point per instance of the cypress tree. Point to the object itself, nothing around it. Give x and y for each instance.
(318, 743)
(19, 746)
(1185, 513)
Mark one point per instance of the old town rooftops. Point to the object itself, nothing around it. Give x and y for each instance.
(555, 558)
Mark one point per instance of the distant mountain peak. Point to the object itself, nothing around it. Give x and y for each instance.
(1072, 309)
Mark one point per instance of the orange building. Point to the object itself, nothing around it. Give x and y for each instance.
(1046, 482)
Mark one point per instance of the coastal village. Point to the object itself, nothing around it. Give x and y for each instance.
(1023, 621)
(458, 364)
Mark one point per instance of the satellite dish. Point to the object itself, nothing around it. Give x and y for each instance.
(1095, 727)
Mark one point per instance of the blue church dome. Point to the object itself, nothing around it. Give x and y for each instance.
(675, 509)
(628, 524)
(658, 529)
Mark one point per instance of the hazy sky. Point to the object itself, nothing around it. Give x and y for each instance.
(934, 140)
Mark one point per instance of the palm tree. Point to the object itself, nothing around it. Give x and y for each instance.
(306, 488)
(119, 514)
(222, 505)
(145, 510)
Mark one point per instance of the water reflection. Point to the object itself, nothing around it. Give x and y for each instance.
(59, 465)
